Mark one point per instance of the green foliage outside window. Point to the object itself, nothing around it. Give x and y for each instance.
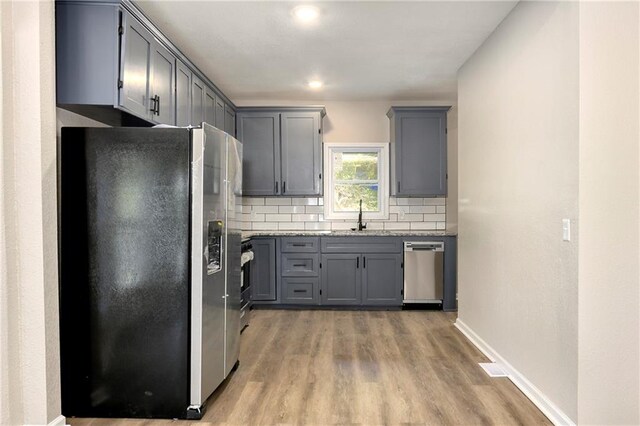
(355, 179)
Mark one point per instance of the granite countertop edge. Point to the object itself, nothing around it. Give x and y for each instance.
(371, 233)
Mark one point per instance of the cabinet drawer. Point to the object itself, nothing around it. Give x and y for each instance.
(361, 245)
(300, 290)
(299, 244)
(299, 265)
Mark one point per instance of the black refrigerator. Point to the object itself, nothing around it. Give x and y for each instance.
(150, 237)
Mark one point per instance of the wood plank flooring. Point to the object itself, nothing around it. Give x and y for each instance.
(315, 367)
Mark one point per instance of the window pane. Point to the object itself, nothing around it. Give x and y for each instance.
(346, 198)
(355, 166)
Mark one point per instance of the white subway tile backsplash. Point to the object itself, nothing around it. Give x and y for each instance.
(308, 201)
(409, 201)
(434, 218)
(341, 226)
(423, 226)
(397, 226)
(304, 217)
(307, 213)
(291, 209)
(264, 209)
(278, 201)
(410, 217)
(291, 226)
(264, 226)
(317, 226)
(278, 217)
(253, 201)
(314, 209)
(435, 201)
(422, 209)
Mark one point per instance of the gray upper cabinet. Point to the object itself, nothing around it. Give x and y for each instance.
(209, 107)
(229, 120)
(138, 44)
(301, 153)
(288, 150)
(418, 151)
(162, 83)
(183, 95)
(220, 117)
(198, 108)
(114, 65)
(259, 133)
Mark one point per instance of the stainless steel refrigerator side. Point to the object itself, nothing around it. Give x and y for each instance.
(197, 148)
(215, 272)
(234, 238)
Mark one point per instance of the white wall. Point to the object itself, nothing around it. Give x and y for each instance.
(609, 303)
(366, 121)
(518, 178)
(29, 356)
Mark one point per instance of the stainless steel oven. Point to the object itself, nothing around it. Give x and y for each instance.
(245, 284)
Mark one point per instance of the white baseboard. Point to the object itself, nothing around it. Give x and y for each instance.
(58, 421)
(548, 408)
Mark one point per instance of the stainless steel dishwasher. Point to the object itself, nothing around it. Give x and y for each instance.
(423, 271)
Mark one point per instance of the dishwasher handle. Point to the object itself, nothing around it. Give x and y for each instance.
(424, 246)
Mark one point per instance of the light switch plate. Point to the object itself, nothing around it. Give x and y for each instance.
(566, 229)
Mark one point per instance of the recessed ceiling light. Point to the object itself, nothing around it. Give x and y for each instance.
(306, 13)
(315, 84)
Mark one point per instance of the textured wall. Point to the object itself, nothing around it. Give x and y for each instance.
(609, 341)
(518, 172)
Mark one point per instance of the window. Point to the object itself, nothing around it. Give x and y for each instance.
(354, 173)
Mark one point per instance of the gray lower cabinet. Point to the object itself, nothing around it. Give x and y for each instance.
(283, 150)
(382, 279)
(300, 290)
(362, 279)
(418, 151)
(263, 270)
(341, 278)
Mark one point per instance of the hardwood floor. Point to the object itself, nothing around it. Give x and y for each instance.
(360, 368)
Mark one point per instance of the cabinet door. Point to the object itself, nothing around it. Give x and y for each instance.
(219, 105)
(382, 279)
(229, 120)
(341, 278)
(421, 153)
(163, 69)
(183, 95)
(260, 135)
(197, 101)
(135, 66)
(301, 153)
(263, 269)
(210, 107)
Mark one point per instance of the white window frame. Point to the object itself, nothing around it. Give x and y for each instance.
(383, 176)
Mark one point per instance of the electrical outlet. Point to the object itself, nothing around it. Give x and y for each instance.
(566, 229)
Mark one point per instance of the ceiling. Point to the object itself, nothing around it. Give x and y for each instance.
(360, 50)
